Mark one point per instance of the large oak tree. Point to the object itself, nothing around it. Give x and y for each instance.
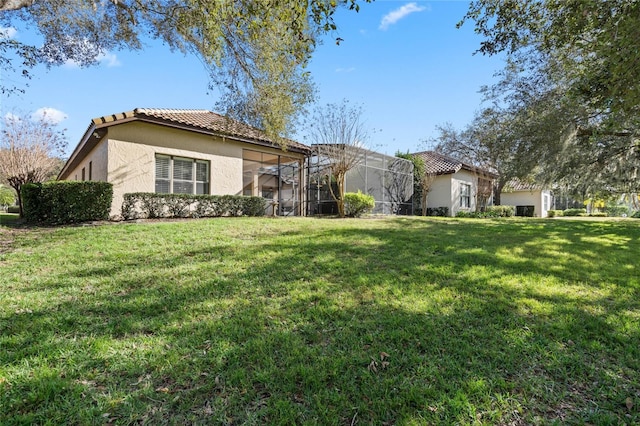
(256, 50)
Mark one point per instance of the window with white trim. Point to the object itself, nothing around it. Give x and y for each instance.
(179, 175)
(465, 195)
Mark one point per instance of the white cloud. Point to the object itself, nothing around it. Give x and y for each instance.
(396, 15)
(108, 59)
(8, 32)
(9, 117)
(52, 115)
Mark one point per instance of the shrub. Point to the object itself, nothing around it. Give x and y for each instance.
(147, 205)
(500, 211)
(490, 212)
(13, 209)
(356, 203)
(575, 212)
(636, 215)
(438, 211)
(598, 214)
(462, 213)
(616, 211)
(57, 203)
(554, 213)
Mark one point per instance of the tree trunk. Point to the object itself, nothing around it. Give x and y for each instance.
(423, 203)
(338, 198)
(497, 190)
(17, 185)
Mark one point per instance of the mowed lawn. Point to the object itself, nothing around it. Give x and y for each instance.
(322, 321)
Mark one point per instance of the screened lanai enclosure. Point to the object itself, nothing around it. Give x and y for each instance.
(389, 179)
(275, 177)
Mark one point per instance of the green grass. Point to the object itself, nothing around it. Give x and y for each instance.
(318, 321)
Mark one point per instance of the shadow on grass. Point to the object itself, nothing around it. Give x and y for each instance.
(436, 322)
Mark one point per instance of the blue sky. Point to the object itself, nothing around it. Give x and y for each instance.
(404, 62)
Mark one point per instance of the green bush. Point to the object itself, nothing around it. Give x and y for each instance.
(616, 211)
(13, 209)
(490, 212)
(554, 213)
(356, 203)
(463, 213)
(62, 202)
(598, 214)
(636, 215)
(144, 205)
(575, 212)
(500, 211)
(438, 211)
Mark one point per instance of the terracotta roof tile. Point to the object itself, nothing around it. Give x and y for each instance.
(438, 163)
(442, 164)
(200, 119)
(518, 185)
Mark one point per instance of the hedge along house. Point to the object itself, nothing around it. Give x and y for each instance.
(188, 151)
(388, 179)
(529, 199)
(456, 186)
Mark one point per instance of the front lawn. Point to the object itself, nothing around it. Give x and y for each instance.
(321, 321)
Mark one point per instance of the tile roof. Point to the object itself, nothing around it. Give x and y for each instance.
(439, 164)
(518, 185)
(199, 120)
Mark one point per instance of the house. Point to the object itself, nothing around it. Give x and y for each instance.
(388, 179)
(188, 151)
(456, 186)
(529, 199)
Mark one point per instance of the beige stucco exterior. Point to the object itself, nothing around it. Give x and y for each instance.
(445, 191)
(125, 156)
(538, 198)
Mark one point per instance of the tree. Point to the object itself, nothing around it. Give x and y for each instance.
(423, 179)
(28, 147)
(255, 50)
(593, 43)
(338, 140)
(7, 196)
(398, 183)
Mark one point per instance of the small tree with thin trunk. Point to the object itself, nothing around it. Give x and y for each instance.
(28, 149)
(338, 139)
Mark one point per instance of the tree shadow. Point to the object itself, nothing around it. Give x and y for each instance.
(419, 321)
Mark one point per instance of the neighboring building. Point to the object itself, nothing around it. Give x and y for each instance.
(457, 186)
(388, 179)
(187, 151)
(529, 199)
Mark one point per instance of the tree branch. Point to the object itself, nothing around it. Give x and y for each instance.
(15, 4)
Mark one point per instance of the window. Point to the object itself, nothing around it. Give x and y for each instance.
(178, 175)
(83, 173)
(90, 170)
(465, 195)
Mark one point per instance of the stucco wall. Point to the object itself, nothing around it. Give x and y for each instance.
(98, 159)
(457, 179)
(132, 148)
(445, 191)
(440, 193)
(528, 198)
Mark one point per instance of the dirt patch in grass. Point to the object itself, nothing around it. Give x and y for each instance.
(7, 237)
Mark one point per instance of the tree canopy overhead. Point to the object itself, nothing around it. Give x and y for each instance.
(570, 93)
(593, 42)
(255, 50)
